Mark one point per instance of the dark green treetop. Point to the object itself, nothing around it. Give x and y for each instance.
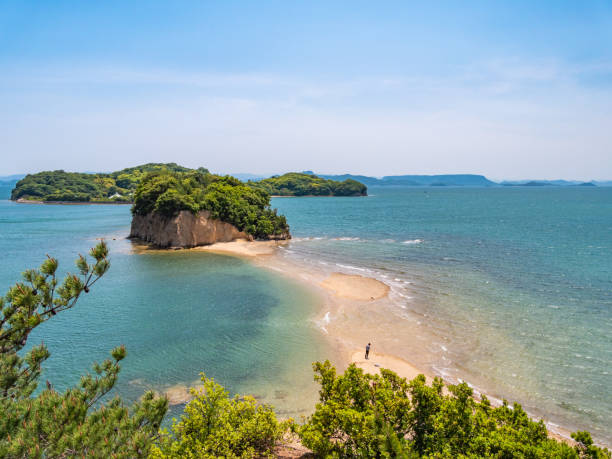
(226, 198)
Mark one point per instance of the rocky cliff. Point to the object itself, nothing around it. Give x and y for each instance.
(183, 230)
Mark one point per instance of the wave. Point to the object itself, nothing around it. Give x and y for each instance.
(413, 241)
(353, 267)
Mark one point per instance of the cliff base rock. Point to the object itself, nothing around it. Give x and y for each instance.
(184, 230)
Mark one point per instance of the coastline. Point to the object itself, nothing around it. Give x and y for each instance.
(70, 203)
(350, 302)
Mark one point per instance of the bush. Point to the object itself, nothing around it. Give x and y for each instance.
(215, 425)
(363, 415)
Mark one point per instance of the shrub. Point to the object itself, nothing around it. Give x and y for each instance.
(215, 425)
(363, 415)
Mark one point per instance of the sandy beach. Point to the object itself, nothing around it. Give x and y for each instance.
(243, 248)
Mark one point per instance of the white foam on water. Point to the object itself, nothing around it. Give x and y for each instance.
(352, 267)
(413, 241)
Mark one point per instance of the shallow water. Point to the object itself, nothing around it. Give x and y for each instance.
(178, 313)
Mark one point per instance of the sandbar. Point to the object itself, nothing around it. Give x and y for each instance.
(355, 287)
(243, 248)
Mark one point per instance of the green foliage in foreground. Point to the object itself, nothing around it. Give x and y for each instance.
(215, 425)
(363, 415)
(300, 184)
(226, 198)
(61, 186)
(75, 422)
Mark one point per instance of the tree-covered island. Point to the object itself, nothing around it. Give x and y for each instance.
(162, 196)
(120, 186)
(61, 186)
(303, 184)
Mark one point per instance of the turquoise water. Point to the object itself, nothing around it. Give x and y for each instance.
(178, 313)
(507, 288)
(512, 288)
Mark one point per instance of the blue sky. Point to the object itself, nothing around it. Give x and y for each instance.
(507, 89)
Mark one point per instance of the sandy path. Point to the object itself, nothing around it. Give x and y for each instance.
(378, 361)
(243, 248)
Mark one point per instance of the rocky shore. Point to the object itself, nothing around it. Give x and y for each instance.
(185, 230)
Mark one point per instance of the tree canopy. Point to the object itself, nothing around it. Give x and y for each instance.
(301, 184)
(364, 415)
(60, 186)
(226, 198)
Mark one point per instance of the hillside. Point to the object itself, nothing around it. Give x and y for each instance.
(61, 186)
(304, 184)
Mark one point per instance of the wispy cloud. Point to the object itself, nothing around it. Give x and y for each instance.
(505, 117)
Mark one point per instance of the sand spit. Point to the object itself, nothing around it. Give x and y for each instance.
(355, 287)
(243, 248)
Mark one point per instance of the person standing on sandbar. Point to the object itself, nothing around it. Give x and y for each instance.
(367, 351)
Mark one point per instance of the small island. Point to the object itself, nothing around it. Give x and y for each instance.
(307, 184)
(188, 209)
(79, 187)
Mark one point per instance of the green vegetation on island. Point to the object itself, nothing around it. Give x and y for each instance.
(358, 415)
(302, 184)
(226, 198)
(61, 186)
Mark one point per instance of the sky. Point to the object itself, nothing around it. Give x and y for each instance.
(511, 90)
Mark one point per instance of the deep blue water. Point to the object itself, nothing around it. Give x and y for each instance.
(511, 287)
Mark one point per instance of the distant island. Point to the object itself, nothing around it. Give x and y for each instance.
(450, 180)
(417, 180)
(61, 186)
(308, 184)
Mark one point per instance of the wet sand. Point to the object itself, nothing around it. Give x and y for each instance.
(355, 287)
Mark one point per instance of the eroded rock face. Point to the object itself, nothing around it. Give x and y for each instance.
(184, 230)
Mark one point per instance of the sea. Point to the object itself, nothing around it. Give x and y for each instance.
(508, 289)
